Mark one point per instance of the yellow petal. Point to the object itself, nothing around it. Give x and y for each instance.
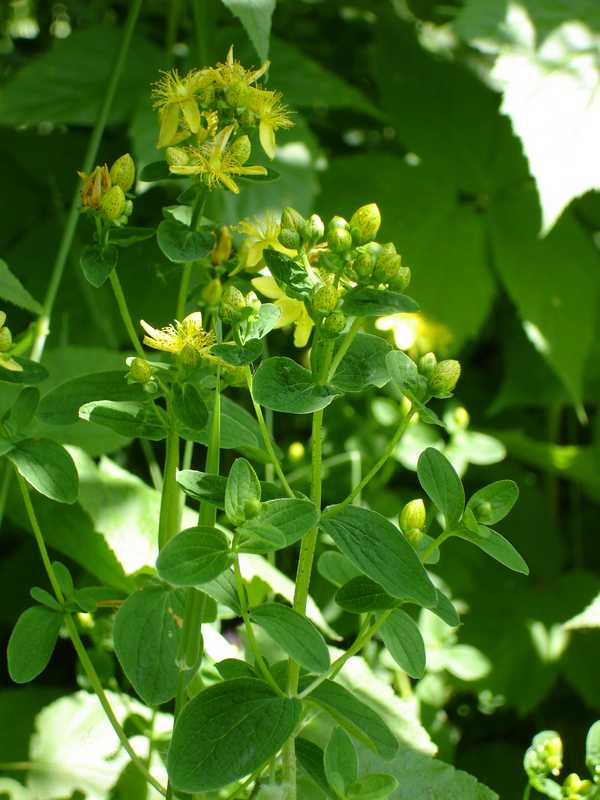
(191, 114)
(169, 121)
(254, 254)
(268, 286)
(153, 332)
(266, 135)
(10, 364)
(302, 330)
(291, 311)
(228, 182)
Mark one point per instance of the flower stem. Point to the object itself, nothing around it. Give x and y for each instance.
(433, 546)
(85, 660)
(124, 311)
(267, 437)
(391, 446)
(345, 345)
(43, 322)
(169, 519)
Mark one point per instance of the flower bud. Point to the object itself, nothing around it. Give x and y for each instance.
(211, 294)
(240, 150)
(289, 238)
(364, 224)
(252, 508)
(177, 156)
(482, 511)
(334, 323)
(460, 417)
(253, 302)
(95, 185)
(296, 452)
(413, 516)
(444, 377)
(339, 240)
(386, 267)
(5, 339)
(222, 249)
(427, 364)
(232, 302)
(292, 219)
(113, 203)
(363, 266)
(413, 536)
(140, 370)
(401, 280)
(313, 229)
(122, 172)
(325, 299)
(128, 210)
(337, 222)
(574, 788)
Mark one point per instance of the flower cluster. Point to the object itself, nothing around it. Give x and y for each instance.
(186, 339)
(206, 116)
(104, 191)
(6, 343)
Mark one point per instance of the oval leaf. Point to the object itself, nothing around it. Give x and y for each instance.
(501, 497)
(126, 418)
(98, 262)
(376, 786)
(340, 760)
(369, 302)
(227, 732)
(293, 633)
(32, 642)
(242, 487)
(193, 557)
(403, 639)
(30, 373)
(496, 546)
(283, 385)
(361, 595)
(442, 485)
(181, 244)
(364, 364)
(380, 551)
(48, 467)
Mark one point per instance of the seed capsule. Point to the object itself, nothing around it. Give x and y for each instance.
(113, 203)
(334, 323)
(325, 299)
(365, 223)
(122, 172)
(444, 377)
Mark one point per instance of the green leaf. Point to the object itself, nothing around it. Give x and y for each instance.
(238, 354)
(242, 487)
(496, 546)
(203, 486)
(563, 332)
(372, 787)
(283, 385)
(401, 636)
(336, 568)
(405, 375)
(189, 407)
(445, 610)
(31, 372)
(231, 668)
(271, 176)
(146, 633)
(293, 517)
(239, 430)
(64, 578)
(364, 364)
(501, 496)
(47, 467)
(44, 598)
(292, 277)
(24, 408)
(592, 749)
(125, 237)
(32, 642)
(98, 262)
(295, 634)
(259, 537)
(361, 595)
(181, 244)
(227, 732)
(255, 16)
(61, 405)
(310, 757)
(12, 290)
(442, 485)
(369, 302)
(264, 322)
(127, 418)
(340, 761)
(193, 557)
(379, 550)
(354, 715)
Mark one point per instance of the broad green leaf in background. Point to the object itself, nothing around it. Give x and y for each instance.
(32, 642)
(592, 749)
(24, 408)
(47, 467)
(283, 385)
(443, 486)
(181, 244)
(367, 302)
(294, 633)
(255, 16)
(12, 290)
(146, 634)
(376, 786)
(228, 731)
(360, 595)
(194, 556)
(380, 551)
(363, 365)
(30, 373)
(127, 418)
(402, 638)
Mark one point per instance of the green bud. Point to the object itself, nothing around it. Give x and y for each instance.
(386, 267)
(413, 536)
(460, 417)
(252, 301)
(212, 292)
(122, 172)
(482, 511)
(313, 230)
(337, 222)
(140, 371)
(427, 364)
(574, 787)
(389, 247)
(363, 266)
(233, 94)
(339, 240)
(252, 508)
(5, 339)
(413, 516)
(365, 223)
(232, 302)
(325, 299)
(290, 238)
(400, 282)
(241, 149)
(292, 219)
(334, 323)
(128, 210)
(113, 203)
(177, 156)
(444, 377)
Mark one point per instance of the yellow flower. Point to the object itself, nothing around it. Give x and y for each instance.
(216, 162)
(6, 362)
(262, 233)
(187, 339)
(272, 116)
(176, 97)
(293, 312)
(233, 74)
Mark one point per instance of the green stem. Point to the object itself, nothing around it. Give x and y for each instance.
(267, 437)
(260, 662)
(433, 546)
(527, 792)
(391, 446)
(4, 489)
(347, 341)
(184, 285)
(170, 507)
(43, 322)
(174, 11)
(124, 312)
(85, 660)
(153, 468)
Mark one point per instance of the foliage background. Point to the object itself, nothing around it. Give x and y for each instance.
(464, 121)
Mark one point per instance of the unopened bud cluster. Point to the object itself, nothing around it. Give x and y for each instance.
(574, 788)
(6, 342)
(104, 191)
(142, 372)
(441, 376)
(545, 755)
